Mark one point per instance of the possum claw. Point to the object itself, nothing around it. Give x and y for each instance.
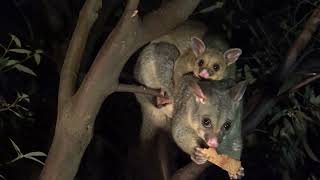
(198, 157)
(162, 101)
(239, 174)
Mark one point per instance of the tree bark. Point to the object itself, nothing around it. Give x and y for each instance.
(77, 109)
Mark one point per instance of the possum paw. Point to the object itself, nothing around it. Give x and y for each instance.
(239, 174)
(198, 157)
(162, 101)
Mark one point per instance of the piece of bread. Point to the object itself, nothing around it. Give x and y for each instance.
(223, 161)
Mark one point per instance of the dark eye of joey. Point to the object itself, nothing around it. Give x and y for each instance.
(227, 125)
(200, 62)
(216, 67)
(206, 122)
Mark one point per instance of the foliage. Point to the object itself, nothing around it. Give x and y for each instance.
(30, 155)
(15, 57)
(287, 138)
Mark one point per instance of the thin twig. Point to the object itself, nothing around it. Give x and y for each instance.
(305, 82)
(139, 89)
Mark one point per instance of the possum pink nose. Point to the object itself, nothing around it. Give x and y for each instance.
(212, 142)
(204, 74)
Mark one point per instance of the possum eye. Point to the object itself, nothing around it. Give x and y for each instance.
(206, 122)
(216, 67)
(227, 125)
(201, 62)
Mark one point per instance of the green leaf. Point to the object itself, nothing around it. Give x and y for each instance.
(315, 100)
(25, 69)
(24, 97)
(15, 147)
(16, 113)
(309, 151)
(16, 40)
(38, 51)
(2, 177)
(20, 51)
(3, 62)
(12, 62)
(38, 153)
(248, 74)
(37, 58)
(276, 131)
(277, 116)
(34, 159)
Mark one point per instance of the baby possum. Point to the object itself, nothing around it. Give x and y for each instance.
(206, 63)
(206, 114)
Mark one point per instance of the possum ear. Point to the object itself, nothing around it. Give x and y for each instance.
(197, 91)
(197, 45)
(237, 91)
(232, 55)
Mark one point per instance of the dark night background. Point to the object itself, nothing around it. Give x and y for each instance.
(284, 146)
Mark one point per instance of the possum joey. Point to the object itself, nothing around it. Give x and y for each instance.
(205, 63)
(204, 115)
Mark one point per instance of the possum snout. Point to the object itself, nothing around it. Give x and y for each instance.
(213, 142)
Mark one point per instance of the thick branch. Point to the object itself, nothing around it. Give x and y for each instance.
(179, 9)
(71, 65)
(76, 119)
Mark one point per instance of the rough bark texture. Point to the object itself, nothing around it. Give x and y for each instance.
(77, 109)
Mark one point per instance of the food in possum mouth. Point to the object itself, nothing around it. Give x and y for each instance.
(232, 166)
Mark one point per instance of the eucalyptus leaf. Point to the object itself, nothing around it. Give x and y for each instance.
(20, 51)
(38, 153)
(276, 131)
(2, 177)
(3, 62)
(12, 62)
(38, 51)
(25, 69)
(16, 40)
(277, 116)
(15, 147)
(315, 100)
(249, 77)
(309, 151)
(34, 159)
(37, 58)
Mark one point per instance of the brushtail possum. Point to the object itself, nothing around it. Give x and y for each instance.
(205, 62)
(154, 69)
(208, 114)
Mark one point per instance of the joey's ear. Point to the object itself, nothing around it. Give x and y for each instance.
(232, 55)
(237, 91)
(197, 91)
(197, 45)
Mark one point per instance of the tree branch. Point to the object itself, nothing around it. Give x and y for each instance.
(300, 43)
(191, 171)
(304, 82)
(68, 76)
(139, 89)
(77, 111)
